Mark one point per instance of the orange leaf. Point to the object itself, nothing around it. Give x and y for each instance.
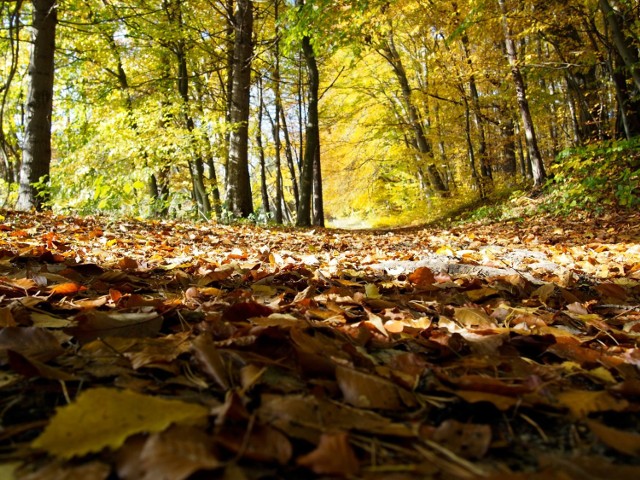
(625, 442)
(422, 276)
(69, 288)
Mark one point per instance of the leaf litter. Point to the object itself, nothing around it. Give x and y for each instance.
(151, 349)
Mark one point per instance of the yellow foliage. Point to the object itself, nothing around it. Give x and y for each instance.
(105, 417)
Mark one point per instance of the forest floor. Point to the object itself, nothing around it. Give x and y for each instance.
(159, 350)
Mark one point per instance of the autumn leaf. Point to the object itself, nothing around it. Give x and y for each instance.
(581, 403)
(422, 277)
(69, 288)
(34, 342)
(174, 454)
(370, 391)
(332, 456)
(105, 417)
(625, 442)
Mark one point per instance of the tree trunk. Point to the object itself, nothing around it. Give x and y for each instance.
(196, 164)
(239, 199)
(263, 167)
(627, 52)
(537, 166)
(318, 202)
(510, 163)
(36, 156)
(288, 151)
(485, 167)
(230, 39)
(472, 157)
(390, 54)
(311, 158)
(276, 123)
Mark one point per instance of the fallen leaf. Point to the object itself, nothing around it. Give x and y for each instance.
(262, 444)
(69, 288)
(581, 403)
(33, 342)
(620, 440)
(176, 454)
(364, 390)
(467, 440)
(105, 417)
(422, 277)
(333, 456)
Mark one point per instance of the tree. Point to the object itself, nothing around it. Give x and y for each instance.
(239, 199)
(36, 156)
(421, 141)
(311, 159)
(537, 166)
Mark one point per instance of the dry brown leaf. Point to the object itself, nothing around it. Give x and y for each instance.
(333, 456)
(364, 390)
(176, 454)
(467, 440)
(34, 342)
(211, 360)
(93, 470)
(262, 444)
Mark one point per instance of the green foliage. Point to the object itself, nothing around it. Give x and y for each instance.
(596, 177)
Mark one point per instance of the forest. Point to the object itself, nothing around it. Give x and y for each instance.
(354, 112)
(366, 239)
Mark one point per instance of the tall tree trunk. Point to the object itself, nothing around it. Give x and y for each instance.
(485, 167)
(312, 138)
(288, 151)
(425, 151)
(196, 164)
(627, 52)
(472, 157)
(230, 40)
(7, 150)
(537, 166)
(510, 163)
(263, 167)
(318, 202)
(239, 199)
(36, 156)
(276, 122)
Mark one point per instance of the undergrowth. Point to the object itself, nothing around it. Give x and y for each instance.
(595, 178)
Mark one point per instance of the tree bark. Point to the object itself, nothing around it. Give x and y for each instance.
(628, 54)
(537, 166)
(196, 164)
(291, 163)
(391, 55)
(263, 167)
(36, 156)
(276, 123)
(239, 198)
(312, 141)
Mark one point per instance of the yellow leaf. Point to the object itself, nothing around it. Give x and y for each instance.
(581, 403)
(446, 250)
(474, 317)
(105, 417)
(371, 291)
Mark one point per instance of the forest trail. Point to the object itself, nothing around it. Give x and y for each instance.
(152, 349)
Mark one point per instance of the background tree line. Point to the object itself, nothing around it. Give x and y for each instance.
(239, 108)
